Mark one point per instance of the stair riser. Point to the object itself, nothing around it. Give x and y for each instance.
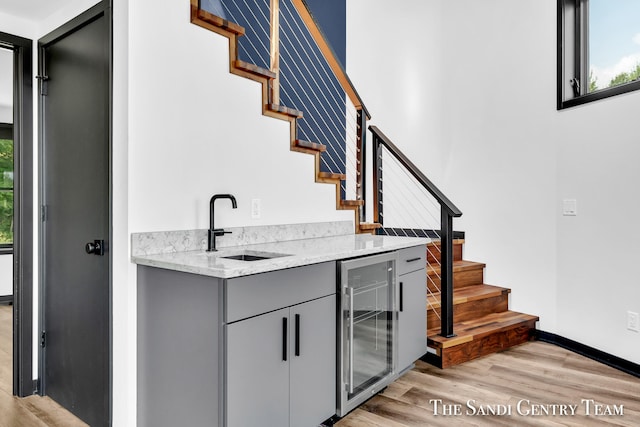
(471, 310)
(433, 252)
(460, 279)
(487, 345)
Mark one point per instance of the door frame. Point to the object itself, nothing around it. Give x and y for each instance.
(102, 8)
(23, 235)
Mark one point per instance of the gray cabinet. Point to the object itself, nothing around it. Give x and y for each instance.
(211, 351)
(313, 367)
(179, 338)
(257, 375)
(412, 302)
(280, 366)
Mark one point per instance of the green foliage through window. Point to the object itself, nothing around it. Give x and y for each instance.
(6, 192)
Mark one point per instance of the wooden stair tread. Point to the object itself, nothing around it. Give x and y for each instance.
(467, 294)
(254, 69)
(310, 145)
(478, 328)
(461, 265)
(285, 110)
(370, 225)
(355, 203)
(216, 21)
(434, 251)
(332, 176)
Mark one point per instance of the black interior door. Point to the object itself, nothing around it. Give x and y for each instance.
(75, 102)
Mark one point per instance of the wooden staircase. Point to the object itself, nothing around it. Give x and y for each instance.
(272, 109)
(483, 323)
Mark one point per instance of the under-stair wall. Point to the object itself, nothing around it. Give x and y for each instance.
(196, 130)
(478, 137)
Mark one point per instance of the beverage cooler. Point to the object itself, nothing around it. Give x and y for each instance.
(367, 326)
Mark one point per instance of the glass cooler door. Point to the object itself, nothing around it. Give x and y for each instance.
(368, 322)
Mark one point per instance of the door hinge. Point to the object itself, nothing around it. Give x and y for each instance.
(43, 84)
(36, 386)
(43, 339)
(43, 212)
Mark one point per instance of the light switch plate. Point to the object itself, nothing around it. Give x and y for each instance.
(256, 208)
(633, 321)
(569, 207)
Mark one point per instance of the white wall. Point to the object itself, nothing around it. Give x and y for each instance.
(6, 275)
(194, 130)
(485, 127)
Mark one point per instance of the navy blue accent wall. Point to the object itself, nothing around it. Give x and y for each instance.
(331, 17)
(254, 16)
(307, 82)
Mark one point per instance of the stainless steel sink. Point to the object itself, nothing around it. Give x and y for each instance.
(246, 257)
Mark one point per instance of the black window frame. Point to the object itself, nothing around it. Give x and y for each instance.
(573, 57)
(6, 132)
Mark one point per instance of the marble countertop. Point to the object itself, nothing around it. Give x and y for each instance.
(291, 253)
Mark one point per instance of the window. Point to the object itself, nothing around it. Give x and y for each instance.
(598, 49)
(6, 185)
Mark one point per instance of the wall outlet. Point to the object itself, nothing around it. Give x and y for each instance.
(633, 321)
(256, 208)
(569, 207)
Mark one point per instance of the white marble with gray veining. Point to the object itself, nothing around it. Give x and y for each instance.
(193, 240)
(291, 253)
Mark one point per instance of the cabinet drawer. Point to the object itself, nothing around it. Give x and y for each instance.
(412, 259)
(252, 295)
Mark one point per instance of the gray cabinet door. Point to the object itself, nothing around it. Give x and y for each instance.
(257, 372)
(412, 318)
(313, 367)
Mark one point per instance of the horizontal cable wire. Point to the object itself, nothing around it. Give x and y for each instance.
(262, 61)
(338, 112)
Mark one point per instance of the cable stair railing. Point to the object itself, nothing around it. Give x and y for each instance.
(402, 194)
(278, 44)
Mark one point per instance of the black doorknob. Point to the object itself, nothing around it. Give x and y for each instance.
(95, 248)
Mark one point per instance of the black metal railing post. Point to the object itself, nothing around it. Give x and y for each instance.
(448, 211)
(378, 215)
(362, 162)
(446, 273)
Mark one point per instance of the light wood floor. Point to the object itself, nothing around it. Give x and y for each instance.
(535, 372)
(33, 411)
(540, 373)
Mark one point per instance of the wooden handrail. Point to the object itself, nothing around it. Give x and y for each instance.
(330, 56)
(417, 173)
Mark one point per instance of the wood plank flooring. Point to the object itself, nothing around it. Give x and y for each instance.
(33, 411)
(535, 374)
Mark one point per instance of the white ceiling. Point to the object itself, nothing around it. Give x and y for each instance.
(32, 10)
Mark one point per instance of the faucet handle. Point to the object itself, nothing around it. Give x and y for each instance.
(220, 232)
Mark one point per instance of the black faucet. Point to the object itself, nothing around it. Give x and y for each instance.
(212, 232)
